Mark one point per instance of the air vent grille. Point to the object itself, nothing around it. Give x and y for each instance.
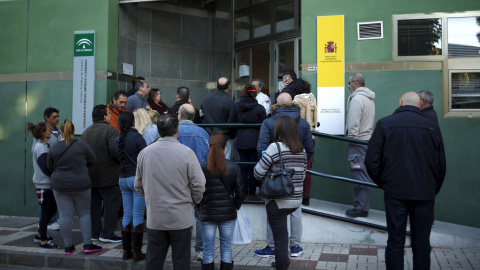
(370, 30)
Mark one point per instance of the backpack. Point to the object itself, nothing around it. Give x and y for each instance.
(308, 108)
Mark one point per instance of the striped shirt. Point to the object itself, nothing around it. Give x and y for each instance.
(271, 161)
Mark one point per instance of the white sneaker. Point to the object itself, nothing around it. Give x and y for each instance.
(54, 226)
(199, 256)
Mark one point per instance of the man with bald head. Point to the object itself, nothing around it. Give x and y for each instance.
(406, 158)
(285, 106)
(216, 108)
(196, 138)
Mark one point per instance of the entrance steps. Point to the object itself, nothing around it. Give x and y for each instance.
(371, 231)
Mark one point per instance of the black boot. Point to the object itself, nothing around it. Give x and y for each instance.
(137, 242)
(127, 242)
(226, 266)
(209, 266)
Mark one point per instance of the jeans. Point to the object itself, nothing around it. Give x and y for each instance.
(296, 229)
(209, 229)
(198, 231)
(157, 248)
(277, 217)
(249, 181)
(112, 201)
(228, 149)
(421, 216)
(133, 203)
(356, 157)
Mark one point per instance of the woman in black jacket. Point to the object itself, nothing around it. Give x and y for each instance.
(248, 111)
(128, 145)
(218, 207)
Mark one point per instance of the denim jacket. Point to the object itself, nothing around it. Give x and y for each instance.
(195, 137)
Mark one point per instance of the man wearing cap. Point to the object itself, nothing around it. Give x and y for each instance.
(216, 108)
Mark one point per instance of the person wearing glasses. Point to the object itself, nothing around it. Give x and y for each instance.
(360, 120)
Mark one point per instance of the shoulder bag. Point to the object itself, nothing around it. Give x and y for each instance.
(277, 184)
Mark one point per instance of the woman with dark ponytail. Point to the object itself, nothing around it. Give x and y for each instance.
(128, 146)
(222, 198)
(41, 179)
(69, 160)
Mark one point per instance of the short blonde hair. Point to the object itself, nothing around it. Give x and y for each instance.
(142, 120)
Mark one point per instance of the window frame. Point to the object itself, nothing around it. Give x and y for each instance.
(449, 65)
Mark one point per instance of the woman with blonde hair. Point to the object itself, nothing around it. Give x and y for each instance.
(145, 127)
(154, 115)
(222, 198)
(69, 160)
(41, 179)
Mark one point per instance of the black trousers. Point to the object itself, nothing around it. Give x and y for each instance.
(421, 216)
(278, 222)
(112, 200)
(157, 248)
(48, 209)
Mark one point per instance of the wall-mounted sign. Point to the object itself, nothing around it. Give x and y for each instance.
(128, 69)
(330, 74)
(83, 79)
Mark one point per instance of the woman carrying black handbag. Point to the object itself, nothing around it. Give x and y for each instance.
(292, 155)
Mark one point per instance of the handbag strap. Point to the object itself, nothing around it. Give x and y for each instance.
(225, 187)
(280, 154)
(55, 162)
(131, 159)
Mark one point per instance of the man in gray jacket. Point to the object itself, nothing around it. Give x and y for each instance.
(360, 120)
(170, 178)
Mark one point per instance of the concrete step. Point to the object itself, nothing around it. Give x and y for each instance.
(318, 229)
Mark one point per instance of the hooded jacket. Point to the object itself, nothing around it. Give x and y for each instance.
(267, 130)
(361, 114)
(247, 111)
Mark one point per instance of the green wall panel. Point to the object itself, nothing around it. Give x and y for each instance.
(13, 40)
(375, 10)
(51, 27)
(16, 191)
(458, 199)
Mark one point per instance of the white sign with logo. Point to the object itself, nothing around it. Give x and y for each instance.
(83, 79)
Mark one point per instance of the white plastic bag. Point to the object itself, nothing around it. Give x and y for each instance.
(242, 232)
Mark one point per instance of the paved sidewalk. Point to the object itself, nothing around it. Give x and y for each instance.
(17, 248)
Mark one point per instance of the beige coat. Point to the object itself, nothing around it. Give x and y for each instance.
(360, 114)
(170, 178)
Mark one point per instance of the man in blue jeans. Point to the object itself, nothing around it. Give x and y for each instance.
(196, 138)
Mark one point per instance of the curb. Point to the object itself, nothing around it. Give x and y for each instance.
(81, 261)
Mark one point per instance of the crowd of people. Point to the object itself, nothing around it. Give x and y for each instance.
(139, 154)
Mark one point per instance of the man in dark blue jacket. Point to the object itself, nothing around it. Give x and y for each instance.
(406, 158)
(285, 106)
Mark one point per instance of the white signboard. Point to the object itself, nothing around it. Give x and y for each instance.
(83, 79)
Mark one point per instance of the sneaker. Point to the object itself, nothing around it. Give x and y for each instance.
(199, 256)
(267, 252)
(37, 239)
(113, 239)
(356, 213)
(54, 226)
(296, 251)
(69, 250)
(87, 249)
(94, 238)
(48, 245)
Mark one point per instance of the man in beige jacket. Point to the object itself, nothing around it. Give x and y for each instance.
(170, 178)
(360, 120)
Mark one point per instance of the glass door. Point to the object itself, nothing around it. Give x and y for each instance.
(287, 56)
